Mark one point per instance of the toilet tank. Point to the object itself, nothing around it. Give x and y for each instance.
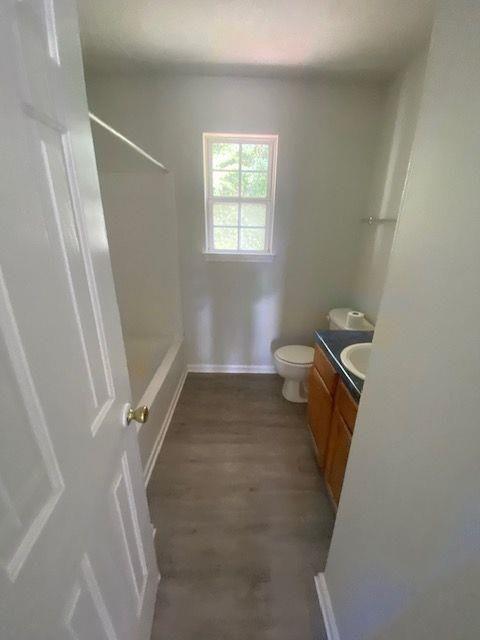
(337, 320)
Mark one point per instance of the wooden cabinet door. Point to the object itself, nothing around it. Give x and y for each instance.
(338, 449)
(325, 368)
(320, 404)
(346, 406)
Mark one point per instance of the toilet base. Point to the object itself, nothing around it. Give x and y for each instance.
(295, 391)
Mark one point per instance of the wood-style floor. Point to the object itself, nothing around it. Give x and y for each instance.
(243, 520)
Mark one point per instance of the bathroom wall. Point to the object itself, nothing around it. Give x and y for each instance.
(142, 230)
(236, 313)
(404, 560)
(375, 241)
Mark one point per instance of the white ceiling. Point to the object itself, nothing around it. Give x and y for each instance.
(375, 36)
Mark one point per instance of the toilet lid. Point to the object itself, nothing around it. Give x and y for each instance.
(296, 354)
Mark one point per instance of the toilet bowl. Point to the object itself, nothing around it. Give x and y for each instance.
(293, 363)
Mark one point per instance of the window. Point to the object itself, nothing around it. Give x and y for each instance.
(239, 194)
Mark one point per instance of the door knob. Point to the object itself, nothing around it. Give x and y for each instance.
(140, 414)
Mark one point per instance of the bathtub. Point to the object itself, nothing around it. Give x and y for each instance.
(157, 371)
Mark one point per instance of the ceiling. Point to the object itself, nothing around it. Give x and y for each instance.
(373, 36)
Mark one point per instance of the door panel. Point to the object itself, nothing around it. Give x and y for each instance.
(76, 548)
(30, 479)
(129, 526)
(87, 616)
(63, 231)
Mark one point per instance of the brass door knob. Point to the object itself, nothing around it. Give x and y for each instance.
(140, 414)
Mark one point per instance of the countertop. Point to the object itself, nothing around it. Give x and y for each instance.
(333, 343)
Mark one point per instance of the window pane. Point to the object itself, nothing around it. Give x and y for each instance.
(225, 183)
(225, 213)
(225, 238)
(254, 215)
(255, 156)
(254, 185)
(252, 239)
(225, 155)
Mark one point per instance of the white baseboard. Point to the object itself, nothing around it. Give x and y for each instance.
(230, 368)
(163, 430)
(326, 607)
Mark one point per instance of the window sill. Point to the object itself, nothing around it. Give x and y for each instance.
(217, 256)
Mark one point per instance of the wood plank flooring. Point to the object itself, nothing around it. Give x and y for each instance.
(242, 516)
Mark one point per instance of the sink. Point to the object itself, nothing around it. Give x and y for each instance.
(355, 358)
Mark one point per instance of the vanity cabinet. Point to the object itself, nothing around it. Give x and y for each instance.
(331, 417)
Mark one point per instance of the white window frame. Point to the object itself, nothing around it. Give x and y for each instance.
(239, 254)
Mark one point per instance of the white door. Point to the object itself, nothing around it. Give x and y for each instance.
(76, 550)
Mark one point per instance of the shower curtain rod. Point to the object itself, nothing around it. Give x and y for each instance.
(128, 142)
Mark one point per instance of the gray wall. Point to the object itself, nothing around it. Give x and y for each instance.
(405, 556)
(235, 313)
(375, 241)
(141, 223)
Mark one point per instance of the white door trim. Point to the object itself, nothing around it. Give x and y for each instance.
(326, 607)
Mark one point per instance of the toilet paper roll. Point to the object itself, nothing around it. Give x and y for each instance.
(355, 320)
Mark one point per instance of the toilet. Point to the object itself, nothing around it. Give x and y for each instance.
(338, 320)
(293, 363)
